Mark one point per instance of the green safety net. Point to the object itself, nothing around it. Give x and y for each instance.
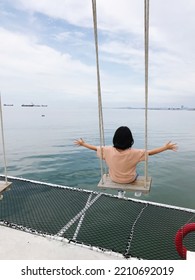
(132, 228)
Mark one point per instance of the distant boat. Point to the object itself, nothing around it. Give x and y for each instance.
(32, 105)
(27, 105)
(8, 104)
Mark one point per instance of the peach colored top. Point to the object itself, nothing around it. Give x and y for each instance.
(122, 163)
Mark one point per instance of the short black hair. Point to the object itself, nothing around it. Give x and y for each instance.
(123, 138)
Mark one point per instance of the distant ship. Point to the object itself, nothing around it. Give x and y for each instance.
(8, 104)
(27, 105)
(32, 105)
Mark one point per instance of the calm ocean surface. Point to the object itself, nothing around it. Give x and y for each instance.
(41, 148)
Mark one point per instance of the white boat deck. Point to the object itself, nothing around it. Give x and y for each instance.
(19, 245)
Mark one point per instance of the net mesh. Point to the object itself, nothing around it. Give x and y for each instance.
(131, 228)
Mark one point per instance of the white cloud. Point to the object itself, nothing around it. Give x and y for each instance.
(74, 11)
(28, 58)
(32, 67)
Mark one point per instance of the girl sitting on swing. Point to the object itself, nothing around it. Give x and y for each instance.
(121, 158)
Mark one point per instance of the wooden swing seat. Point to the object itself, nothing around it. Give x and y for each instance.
(137, 186)
(4, 186)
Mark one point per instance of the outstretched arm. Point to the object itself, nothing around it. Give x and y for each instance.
(167, 146)
(81, 142)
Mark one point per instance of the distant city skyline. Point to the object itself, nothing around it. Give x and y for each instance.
(149, 108)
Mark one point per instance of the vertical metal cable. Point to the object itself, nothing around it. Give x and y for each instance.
(3, 142)
(100, 112)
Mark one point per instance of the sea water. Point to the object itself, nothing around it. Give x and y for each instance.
(39, 145)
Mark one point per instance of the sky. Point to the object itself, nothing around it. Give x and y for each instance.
(47, 52)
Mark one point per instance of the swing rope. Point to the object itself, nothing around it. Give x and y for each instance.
(100, 111)
(146, 33)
